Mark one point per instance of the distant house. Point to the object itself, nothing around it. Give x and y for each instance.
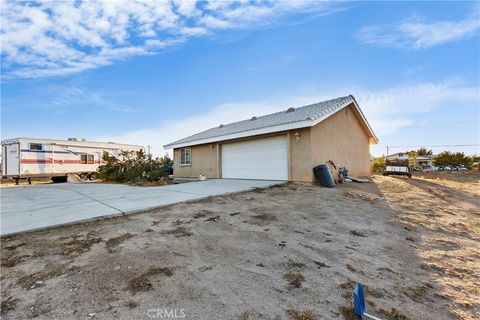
(281, 146)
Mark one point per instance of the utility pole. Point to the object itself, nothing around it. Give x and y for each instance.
(148, 152)
(387, 151)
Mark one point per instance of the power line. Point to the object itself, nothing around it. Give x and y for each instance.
(427, 146)
(431, 146)
(435, 124)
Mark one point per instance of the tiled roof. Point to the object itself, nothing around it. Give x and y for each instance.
(309, 113)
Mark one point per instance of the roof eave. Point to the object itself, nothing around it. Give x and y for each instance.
(243, 134)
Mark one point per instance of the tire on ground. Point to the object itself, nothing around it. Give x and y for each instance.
(59, 179)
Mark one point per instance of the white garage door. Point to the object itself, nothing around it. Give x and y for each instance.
(265, 159)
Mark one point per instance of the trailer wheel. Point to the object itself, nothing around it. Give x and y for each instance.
(17, 181)
(84, 176)
(93, 176)
(29, 180)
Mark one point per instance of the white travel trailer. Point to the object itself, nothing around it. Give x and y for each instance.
(27, 158)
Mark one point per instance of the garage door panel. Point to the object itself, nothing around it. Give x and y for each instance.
(265, 158)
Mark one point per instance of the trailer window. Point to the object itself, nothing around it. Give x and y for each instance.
(36, 146)
(185, 156)
(87, 159)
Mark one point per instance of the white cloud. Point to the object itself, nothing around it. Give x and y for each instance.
(416, 34)
(387, 111)
(41, 39)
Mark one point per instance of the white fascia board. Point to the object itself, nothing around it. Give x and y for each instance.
(243, 134)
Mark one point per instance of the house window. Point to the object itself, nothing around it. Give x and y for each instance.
(185, 156)
(87, 159)
(36, 146)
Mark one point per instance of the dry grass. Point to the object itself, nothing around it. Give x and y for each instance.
(79, 245)
(7, 305)
(132, 304)
(302, 315)
(359, 195)
(10, 259)
(213, 219)
(294, 279)
(293, 264)
(179, 232)
(142, 282)
(32, 280)
(114, 242)
(443, 207)
(262, 219)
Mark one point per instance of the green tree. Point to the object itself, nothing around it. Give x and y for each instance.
(166, 161)
(379, 164)
(459, 159)
(443, 159)
(471, 160)
(424, 152)
(412, 160)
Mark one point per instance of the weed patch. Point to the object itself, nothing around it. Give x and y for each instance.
(179, 232)
(79, 245)
(142, 282)
(114, 242)
(31, 280)
(7, 305)
(302, 315)
(294, 279)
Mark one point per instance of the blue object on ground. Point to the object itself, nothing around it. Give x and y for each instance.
(359, 303)
(358, 300)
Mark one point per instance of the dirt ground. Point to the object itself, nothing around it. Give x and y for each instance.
(287, 252)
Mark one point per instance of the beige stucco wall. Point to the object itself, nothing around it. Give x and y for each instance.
(341, 138)
(300, 163)
(204, 161)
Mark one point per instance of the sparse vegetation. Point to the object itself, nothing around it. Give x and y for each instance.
(142, 282)
(378, 164)
(134, 168)
(231, 259)
(7, 305)
(113, 242)
(294, 279)
(79, 245)
(31, 280)
(178, 232)
(302, 315)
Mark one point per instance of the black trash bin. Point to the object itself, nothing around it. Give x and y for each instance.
(323, 175)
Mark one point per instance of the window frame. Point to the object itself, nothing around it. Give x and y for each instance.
(183, 157)
(87, 159)
(37, 146)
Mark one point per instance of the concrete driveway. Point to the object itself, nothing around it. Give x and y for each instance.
(27, 208)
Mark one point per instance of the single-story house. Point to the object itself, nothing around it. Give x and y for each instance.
(281, 146)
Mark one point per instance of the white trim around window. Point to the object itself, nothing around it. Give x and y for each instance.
(185, 157)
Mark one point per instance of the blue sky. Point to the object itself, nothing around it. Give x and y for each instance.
(154, 72)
